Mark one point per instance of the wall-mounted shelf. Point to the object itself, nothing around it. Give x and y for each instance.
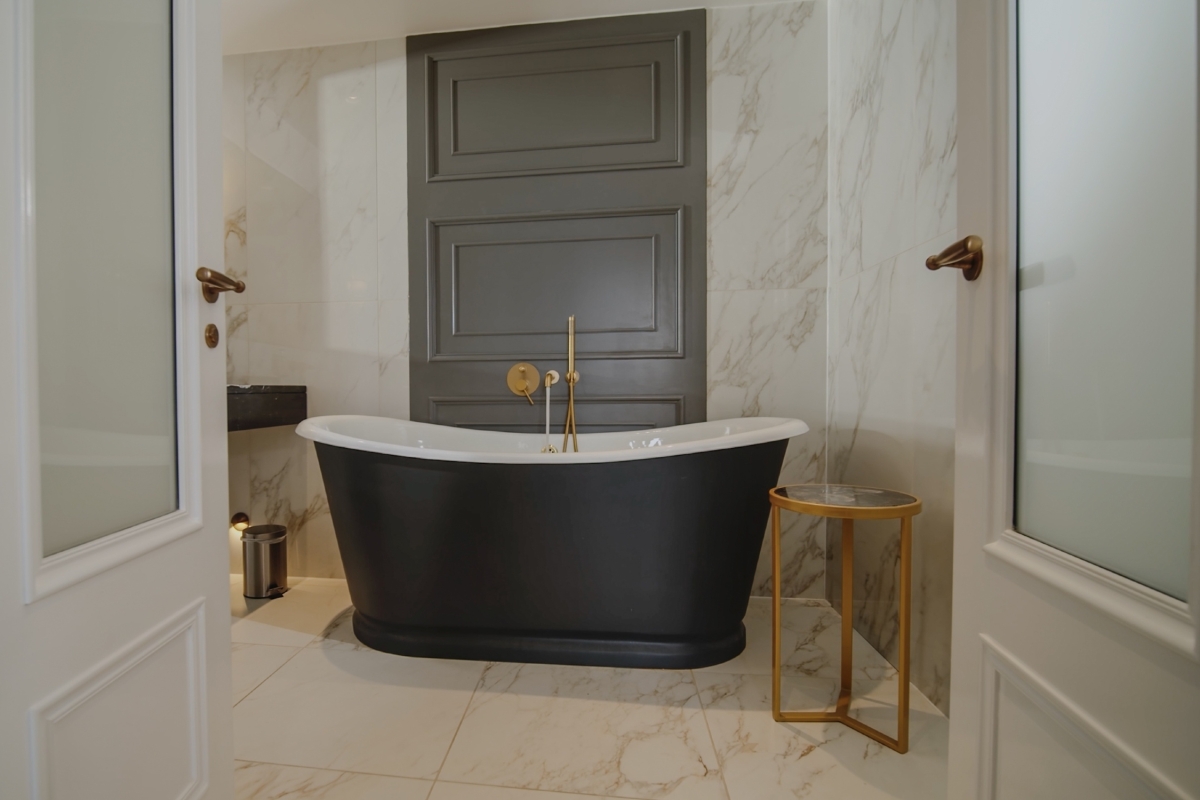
(259, 406)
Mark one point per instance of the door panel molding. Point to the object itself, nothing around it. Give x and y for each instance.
(186, 624)
(1000, 665)
(1145, 610)
(662, 338)
(46, 575)
(1158, 616)
(661, 56)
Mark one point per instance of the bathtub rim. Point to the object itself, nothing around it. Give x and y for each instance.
(765, 429)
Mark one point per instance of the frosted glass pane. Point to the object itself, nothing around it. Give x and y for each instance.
(1106, 301)
(104, 254)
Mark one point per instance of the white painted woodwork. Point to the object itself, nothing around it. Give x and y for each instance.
(1067, 681)
(114, 656)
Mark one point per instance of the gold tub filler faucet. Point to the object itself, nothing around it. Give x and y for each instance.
(524, 379)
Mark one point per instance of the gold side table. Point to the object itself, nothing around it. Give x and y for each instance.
(847, 503)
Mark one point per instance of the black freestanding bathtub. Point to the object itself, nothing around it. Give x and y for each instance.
(638, 551)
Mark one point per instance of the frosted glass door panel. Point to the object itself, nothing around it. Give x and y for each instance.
(1106, 301)
(104, 266)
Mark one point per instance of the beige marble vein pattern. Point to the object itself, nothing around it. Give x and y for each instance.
(282, 485)
(892, 425)
(630, 733)
(274, 782)
(311, 194)
(356, 710)
(892, 128)
(392, 179)
(761, 758)
(810, 643)
(767, 244)
(766, 148)
(766, 357)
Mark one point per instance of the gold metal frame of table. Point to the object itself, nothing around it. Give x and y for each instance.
(847, 514)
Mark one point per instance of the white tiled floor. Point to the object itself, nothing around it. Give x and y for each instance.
(318, 715)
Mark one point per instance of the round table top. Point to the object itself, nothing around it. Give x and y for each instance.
(845, 502)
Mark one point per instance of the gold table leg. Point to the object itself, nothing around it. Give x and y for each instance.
(842, 712)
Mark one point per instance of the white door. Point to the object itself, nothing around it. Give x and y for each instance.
(114, 604)
(1076, 588)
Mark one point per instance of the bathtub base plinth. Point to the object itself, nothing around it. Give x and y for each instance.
(589, 651)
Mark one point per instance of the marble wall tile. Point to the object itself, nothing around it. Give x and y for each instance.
(892, 424)
(285, 488)
(311, 195)
(767, 247)
(391, 115)
(766, 357)
(766, 147)
(892, 128)
(332, 348)
(891, 347)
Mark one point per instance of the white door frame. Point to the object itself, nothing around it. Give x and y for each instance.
(985, 540)
(46, 575)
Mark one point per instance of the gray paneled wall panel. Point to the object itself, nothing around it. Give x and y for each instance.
(564, 174)
(568, 107)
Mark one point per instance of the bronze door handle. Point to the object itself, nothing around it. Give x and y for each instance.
(965, 254)
(213, 283)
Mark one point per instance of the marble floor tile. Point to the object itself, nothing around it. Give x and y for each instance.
(254, 663)
(345, 708)
(273, 782)
(293, 620)
(627, 733)
(444, 790)
(761, 758)
(810, 640)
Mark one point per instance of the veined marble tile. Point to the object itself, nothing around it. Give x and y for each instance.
(254, 663)
(892, 425)
(630, 733)
(766, 357)
(393, 358)
(356, 710)
(311, 169)
(233, 127)
(274, 782)
(293, 620)
(820, 761)
(332, 348)
(239, 449)
(767, 178)
(892, 128)
(237, 343)
(391, 113)
(810, 642)
(285, 488)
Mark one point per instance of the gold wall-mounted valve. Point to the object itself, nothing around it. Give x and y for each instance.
(524, 379)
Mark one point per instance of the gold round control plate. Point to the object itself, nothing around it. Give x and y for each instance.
(523, 379)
